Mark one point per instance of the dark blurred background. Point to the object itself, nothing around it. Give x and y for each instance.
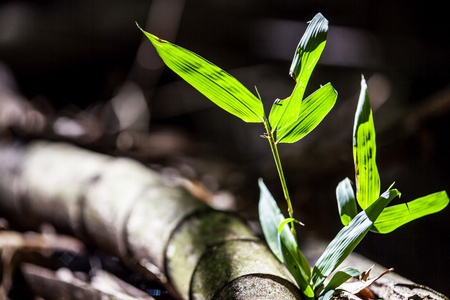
(69, 57)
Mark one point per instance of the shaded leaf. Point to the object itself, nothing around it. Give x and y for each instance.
(305, 59)
(210, 80)
(348, 238)
(395, 216)
(295, 261)
(337, 280)
(313, 110)
(364, 152)
(346, 201)
(283, 244)
(270, 218)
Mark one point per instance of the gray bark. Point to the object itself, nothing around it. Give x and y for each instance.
(127, 210)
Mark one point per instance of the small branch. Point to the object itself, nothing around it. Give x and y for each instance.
(276, 156)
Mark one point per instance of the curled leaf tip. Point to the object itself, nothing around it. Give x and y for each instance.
(137, 24)
(363, 81)
(277, 101)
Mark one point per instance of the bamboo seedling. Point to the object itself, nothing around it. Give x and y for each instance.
(289, 121)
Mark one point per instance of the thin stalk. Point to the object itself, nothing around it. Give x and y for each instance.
(276, 156)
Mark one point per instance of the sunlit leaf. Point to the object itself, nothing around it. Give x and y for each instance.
(287, 220)
(364, 152)
(210, 80)
(395, 216)
(337, 280)
(281, 240)
(346, 201)
(348, 238)
(313, 110)
(311, 44)
(305, 59)
(278, 109)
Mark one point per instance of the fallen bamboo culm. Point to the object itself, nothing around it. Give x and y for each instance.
(126, 209)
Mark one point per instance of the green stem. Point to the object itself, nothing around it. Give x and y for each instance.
(276, 156)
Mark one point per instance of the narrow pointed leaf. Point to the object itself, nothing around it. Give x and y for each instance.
(295, 261)
(364, 152)
(270, 218)
(313, 110)
(348, 238)
(341, 276)
(283, 244)
(287, 220)
(346, 201)
(305, 59)
(310, 44)
(395, 216)
(337, 280)
(210, 80)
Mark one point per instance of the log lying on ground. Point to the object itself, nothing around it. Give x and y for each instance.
(128, 211)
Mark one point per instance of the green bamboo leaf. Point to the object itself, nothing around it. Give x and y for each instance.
(337, 280)
(305, 59)
(210, 80)
(281, 240)
(313, 110)
(311, 44)
(286, 221)
(346, 201)
(295, 261)
(364, 152)
(270, 218)
(348, 238)
(395, 216)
